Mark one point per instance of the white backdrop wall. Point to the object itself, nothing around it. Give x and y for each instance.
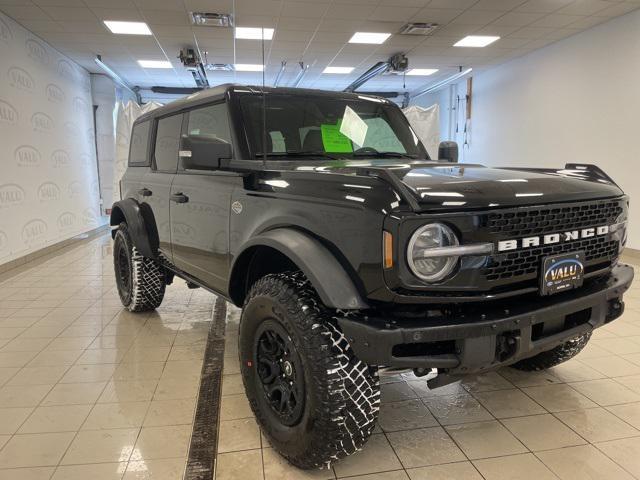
(48, 176)
(576, 100)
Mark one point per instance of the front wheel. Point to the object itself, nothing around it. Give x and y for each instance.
(141, 281)
(555, 356)
(315, 401)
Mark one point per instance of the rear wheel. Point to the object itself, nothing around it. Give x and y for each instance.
(555, 356)
(141, 281)
(315, 401)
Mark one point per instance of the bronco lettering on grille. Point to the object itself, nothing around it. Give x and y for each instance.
(551, 238)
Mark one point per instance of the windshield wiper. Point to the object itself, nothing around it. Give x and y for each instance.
(370, 152)
(297, 153)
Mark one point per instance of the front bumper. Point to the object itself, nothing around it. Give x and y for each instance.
(488, 337)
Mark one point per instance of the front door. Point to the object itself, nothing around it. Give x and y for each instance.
(156, 183)
(200, 221)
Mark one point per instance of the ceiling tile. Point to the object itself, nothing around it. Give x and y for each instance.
(166, 17)
(542, 6)
(70, 14)
(175, 5)
(499, 5)
(56, 3)
(477, 17)
(25, 12)
(618, 9)
(557, 20)
(438, 15)
(455, 4)
(122, 14)
(532, 33)
(517, 19)
(585, 7)
(400, 14)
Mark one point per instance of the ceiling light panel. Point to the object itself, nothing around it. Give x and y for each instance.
(476, 41)
(128, 28)
(369, 37)
(251, 33)
(338, 70)
(422, 71)
(248, 67)
(154, 64)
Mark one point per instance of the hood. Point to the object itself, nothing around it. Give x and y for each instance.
(447, 186)
(475, 186)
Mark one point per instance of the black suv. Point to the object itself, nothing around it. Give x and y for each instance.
(348, 249)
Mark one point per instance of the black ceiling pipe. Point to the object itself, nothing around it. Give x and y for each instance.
(176, 90)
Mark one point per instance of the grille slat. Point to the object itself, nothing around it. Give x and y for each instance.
(524, 263)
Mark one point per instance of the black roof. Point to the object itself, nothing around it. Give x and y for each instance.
(215, 93)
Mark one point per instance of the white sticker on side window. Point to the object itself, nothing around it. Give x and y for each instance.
(353, 126)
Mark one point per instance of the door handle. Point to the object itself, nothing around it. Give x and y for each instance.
(179, 198)
(145, 192)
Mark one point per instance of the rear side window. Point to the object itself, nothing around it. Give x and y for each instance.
(138, 150)
(211, 121)
(168, 143)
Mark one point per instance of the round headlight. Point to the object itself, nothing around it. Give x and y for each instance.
(424, 266)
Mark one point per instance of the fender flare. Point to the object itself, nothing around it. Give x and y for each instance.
(141, 225)
(320, 266)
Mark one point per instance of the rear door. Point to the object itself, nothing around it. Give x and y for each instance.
(156, 183)
(200, 225)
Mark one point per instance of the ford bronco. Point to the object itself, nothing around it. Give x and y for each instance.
(348, 249)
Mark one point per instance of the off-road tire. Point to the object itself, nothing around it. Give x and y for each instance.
(143, 288)
(555, 356)
(342, 394)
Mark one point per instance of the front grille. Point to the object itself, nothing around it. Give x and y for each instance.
(527, 262)
(523, 264)
(553, 219)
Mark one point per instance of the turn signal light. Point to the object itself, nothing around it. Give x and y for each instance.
(387, 249)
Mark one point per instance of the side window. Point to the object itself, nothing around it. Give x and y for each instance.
(139, 145)
(211, 121)
(168, 143)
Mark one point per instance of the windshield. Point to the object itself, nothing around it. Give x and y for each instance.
(315, 125)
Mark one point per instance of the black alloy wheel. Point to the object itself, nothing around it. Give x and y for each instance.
(280, 372)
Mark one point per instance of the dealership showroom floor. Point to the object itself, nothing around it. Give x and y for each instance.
(184, 142)
(89, 390)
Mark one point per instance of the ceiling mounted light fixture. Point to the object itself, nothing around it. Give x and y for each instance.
(375, 38)
(476, 41)
(422, 71)
(127, 28)
(338, 70)
(251, 33)
(155, 64)
(248, 67)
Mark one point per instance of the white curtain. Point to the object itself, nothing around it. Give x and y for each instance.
(426, 123)
(126, 114)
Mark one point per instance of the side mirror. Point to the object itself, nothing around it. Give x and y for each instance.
(203, 152)
(448, 151)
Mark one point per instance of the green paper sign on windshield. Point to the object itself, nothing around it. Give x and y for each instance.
(333, 140)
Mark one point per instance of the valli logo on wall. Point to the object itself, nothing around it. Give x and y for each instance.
(34, 231)
(8, 114)
(11, 195)
(60, 159)
(66, 221)
(42, 122)
(21, 79)
(65, 69)
(37, 51)
(48, 192)
(55, 93)
(27, 156)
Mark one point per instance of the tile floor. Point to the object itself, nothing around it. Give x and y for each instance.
(580, 420)
(88, 390)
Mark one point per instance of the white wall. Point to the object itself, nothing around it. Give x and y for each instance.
(48, 179)
(577, 100)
